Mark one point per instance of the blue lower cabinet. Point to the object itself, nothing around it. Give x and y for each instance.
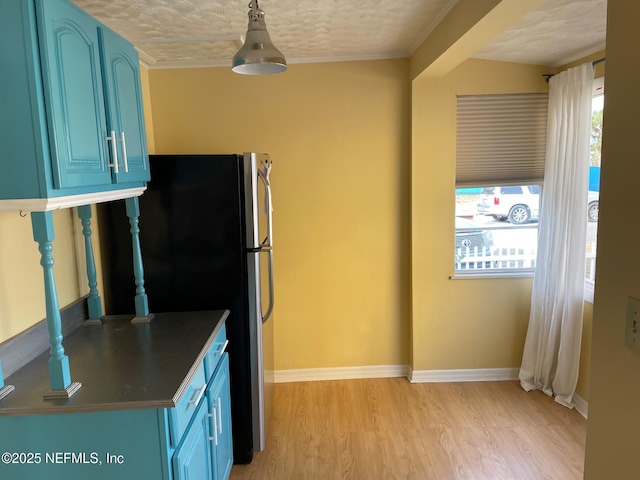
(99, 446)
(192, 458)
(205, 450)
(219, 398)
(191, 441)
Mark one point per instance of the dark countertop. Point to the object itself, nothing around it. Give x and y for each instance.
(120, 366)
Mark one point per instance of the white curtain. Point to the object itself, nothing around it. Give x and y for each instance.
(551, 358)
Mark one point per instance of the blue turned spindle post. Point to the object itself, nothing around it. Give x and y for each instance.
(59, 373)
(94, 303)
(141, 301)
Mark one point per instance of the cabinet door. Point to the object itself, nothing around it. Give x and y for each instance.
(192, 458)
(219, 398)
(125, 115)
(72, 83)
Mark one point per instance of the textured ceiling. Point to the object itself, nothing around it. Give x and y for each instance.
(560, 32)
(174, 33)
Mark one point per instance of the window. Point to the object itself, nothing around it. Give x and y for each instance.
(597, 107)
(500, 152)
(497, 229)
(496, 226)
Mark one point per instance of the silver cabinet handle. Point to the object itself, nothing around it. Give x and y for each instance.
(214, 439)
(219, 416)
(224, 346)
(125, 161)
(114, 147)
(200, 393)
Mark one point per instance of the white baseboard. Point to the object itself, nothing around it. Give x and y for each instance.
(414, 376)
(340, 373)
(582, 406)
(464, 375)
(387, 371)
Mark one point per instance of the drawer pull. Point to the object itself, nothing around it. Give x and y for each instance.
(223, 348)
(199, 395)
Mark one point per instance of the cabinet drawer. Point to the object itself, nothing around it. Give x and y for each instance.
(214, 355)
(180, 416)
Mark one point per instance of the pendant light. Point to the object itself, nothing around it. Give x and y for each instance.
(258, 56)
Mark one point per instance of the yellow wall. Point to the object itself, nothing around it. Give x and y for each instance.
(148, 115)
(613, 432)
(338, 134)
(21, 277)
(325, 204)
(458, 324)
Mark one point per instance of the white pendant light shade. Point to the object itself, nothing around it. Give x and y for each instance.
(258, 55)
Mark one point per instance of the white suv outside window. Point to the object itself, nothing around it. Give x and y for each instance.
(517, 204)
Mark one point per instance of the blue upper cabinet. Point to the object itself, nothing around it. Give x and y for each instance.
(73, 94)
(125, 118)
(72, 132)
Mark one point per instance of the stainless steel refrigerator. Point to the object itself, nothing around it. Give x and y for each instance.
(206, 235)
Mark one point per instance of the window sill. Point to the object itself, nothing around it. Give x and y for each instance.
(479, 274)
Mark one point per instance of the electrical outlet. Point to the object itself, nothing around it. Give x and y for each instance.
(632, 326)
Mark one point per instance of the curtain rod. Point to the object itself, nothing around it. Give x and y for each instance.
(594, 63)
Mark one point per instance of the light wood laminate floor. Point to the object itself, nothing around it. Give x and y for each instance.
(379, 429)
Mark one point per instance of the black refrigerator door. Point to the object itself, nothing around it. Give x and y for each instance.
(191, 235)
(191, 232)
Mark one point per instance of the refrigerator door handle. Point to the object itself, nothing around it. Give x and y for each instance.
(266, 316)
(263, 174)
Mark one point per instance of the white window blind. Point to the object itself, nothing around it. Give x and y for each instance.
(501, 139)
